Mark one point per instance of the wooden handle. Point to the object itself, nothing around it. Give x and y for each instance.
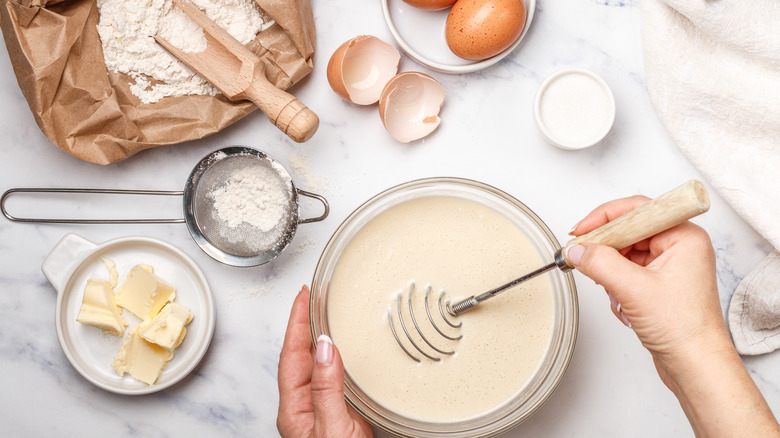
(283, 109)
(664, 212)
(239, 74)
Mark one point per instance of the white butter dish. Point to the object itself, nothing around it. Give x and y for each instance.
(74, 260)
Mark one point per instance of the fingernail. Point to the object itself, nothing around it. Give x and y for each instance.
(613, 301)
(573, 228)
(574, 253)
(324, 354)
(624, 319)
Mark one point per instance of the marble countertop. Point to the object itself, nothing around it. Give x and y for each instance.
(487, 134)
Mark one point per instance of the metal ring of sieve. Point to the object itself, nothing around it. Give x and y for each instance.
(244, 244)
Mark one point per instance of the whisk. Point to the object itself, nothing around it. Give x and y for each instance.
(672, 208)
(410, 336)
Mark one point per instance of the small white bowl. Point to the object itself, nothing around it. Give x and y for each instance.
(420, 34)
(574, 108)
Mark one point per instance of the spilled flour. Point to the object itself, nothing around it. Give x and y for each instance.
(127, 29)
(302, 168)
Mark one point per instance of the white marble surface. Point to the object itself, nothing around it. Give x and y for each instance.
(487, 133)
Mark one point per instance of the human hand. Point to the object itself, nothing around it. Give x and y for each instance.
(664, 287)
(311, 384)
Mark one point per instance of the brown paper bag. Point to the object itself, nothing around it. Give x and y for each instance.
(91, 114)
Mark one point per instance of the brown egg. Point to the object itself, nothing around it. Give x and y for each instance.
(430, 5)
(478, 29)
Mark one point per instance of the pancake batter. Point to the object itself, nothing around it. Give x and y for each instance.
(465, 248)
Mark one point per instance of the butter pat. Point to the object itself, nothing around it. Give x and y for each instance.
(167, 329)
(143, 293)
(142, 360)
(99, 309)
(113, 275)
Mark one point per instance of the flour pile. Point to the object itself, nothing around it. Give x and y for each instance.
(255, 195)
(127, 29)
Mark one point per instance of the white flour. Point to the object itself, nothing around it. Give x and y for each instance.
(254, 195)
(127, 29)
(302, 167)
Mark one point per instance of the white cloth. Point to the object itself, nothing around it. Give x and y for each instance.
(713, 74)
(754, 313)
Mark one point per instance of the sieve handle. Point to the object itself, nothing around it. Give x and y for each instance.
(666, 211)
(12, 218)
(319, 198)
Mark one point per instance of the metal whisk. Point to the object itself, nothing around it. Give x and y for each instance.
(411, 335)
(666, 211)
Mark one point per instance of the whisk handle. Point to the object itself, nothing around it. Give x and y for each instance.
(666, 211)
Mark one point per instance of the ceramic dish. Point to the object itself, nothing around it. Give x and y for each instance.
(420, 34)
(574, 109)
(91, 352)
(558, 352)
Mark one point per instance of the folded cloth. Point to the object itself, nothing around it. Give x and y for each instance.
(754, 313)
(713, 74)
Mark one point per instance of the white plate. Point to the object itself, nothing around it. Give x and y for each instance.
(420, 34)
(91, 352)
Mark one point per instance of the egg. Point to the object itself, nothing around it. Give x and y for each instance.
(359, 69)
(479, 29)
(430, 5)
(409, 106)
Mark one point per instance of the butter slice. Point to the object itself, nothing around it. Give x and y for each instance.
(143, 293)
(142, 360)
(113, 275)
(99, 309)
(167, 329)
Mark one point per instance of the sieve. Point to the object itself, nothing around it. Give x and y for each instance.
(243, 244)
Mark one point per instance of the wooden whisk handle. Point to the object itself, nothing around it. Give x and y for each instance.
(666, 211)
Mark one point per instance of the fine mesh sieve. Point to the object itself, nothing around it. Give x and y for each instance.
(239, 244)
(244, 244)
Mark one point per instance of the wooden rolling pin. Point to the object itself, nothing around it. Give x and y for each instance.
(239, 74)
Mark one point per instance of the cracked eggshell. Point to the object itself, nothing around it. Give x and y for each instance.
(409, 106)
(430, 5)
(360, 68)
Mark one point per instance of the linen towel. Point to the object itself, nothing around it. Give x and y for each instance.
(713, 74)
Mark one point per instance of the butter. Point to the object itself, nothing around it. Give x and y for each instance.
(99, 309)
(113, 275)
(143, 293)
(142, 360)
(167, 328)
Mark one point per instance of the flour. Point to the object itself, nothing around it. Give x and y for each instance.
(254, 195)
(127, 29)
(302, 167)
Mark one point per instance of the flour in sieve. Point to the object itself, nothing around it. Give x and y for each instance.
(257, 197)
(127, 29)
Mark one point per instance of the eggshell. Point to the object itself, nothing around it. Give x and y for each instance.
(409, 106)
(479, 29)
(360, 68)
(430, 5)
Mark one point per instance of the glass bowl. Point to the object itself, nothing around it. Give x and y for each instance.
(562, 337)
